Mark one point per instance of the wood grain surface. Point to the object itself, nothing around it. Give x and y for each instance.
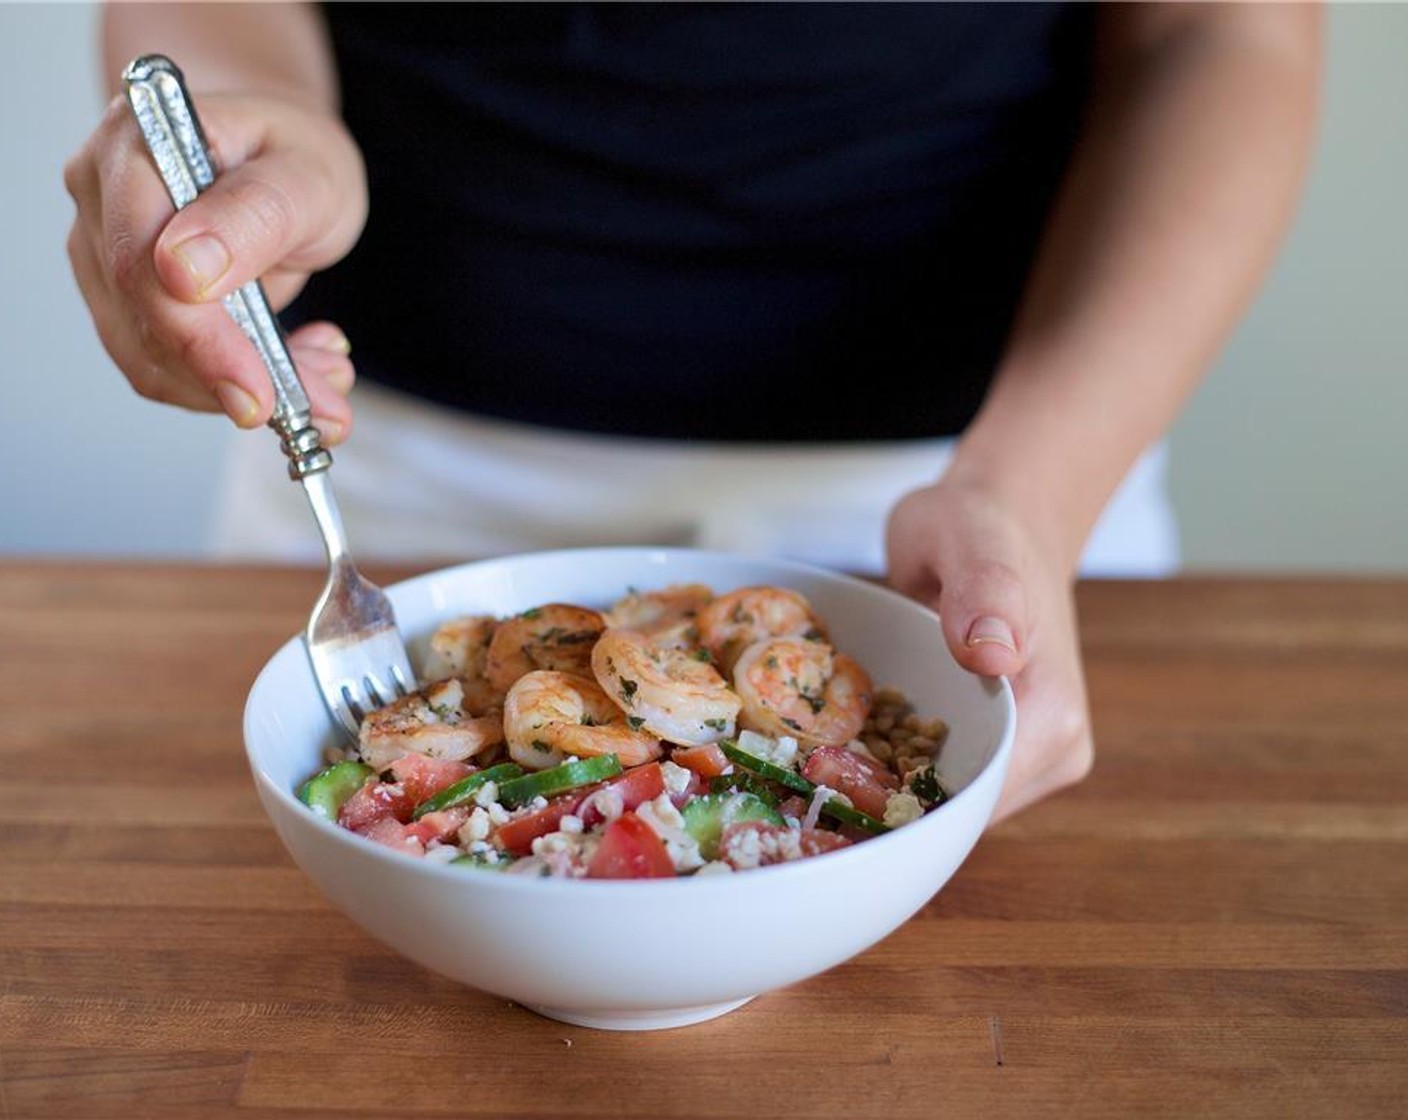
(1215, 924)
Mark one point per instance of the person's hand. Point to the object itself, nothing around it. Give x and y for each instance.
(1007, 606)
(290, 199)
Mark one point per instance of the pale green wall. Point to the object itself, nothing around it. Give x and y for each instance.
(1294, 453)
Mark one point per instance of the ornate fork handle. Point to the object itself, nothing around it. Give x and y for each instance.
(166, 115)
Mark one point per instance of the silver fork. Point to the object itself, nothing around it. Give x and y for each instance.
(359, 659)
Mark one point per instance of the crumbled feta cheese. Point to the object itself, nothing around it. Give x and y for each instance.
(552, 842)
(487, 794)
(570, 823)
(677, 778)
(748, 847)
(667, 823)
(661, 813)
(441, 853)
(781, 751)
(476, 829)
(607, 801)
(566, 854)
(497, 813)
(539, 802)
(715, 867)
(901, 808)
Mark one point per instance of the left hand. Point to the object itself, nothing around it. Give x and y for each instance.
(1008, 609)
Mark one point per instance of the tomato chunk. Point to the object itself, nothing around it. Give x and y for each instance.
(638, 784)
(630, 849)
(634, 786)
(439, 826)
(693, 788)
(517, 835)
(706, 761)
(866, 782)
(414, 837)
(376, 801)
(424, 776)
(394, 834)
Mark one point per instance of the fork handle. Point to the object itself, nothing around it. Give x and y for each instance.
(167, 118)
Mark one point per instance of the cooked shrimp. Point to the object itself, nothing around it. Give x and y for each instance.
(672, 693)
(460, 647)
(667, 616)
(554, 636)
(750, 614)
(805, 689)
(446, 719)
(549, 715)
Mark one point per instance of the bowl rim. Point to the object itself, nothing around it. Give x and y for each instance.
(768, 875)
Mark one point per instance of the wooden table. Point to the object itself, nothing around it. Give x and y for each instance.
(1214, 924)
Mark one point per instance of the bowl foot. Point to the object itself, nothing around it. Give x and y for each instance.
(653, 1020)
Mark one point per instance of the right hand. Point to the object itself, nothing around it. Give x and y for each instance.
(291, 198)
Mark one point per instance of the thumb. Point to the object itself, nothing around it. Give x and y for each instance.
(983, 606)
(276, 212)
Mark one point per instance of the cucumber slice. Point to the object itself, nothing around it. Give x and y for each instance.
(558, 779)
(743, 781)
(765, 769)
(835, 809)
(326, 791)
(465, 789)
(706, 817)
(842, 813)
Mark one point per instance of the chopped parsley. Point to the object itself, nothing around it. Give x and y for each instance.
(924, 784)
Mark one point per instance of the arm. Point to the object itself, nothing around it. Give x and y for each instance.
(1178, 194)
(291, 199)
(1178, 197)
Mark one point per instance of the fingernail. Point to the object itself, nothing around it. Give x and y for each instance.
(205, 258)
(341, 378)
(988, 630)
(239, 406)
(339, 344)
(331, 431)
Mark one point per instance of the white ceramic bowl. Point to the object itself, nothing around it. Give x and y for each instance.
(599, 952)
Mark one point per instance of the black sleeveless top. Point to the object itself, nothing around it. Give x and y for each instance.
(705, 221)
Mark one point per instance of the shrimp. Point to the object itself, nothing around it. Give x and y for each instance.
(448, 719)
(750, 614)
(549, 715)
(667, 616)
(805, 689)
(460, 647)
(670, 692)
(554, 636)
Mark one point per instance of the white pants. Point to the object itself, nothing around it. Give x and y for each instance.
(419, 484)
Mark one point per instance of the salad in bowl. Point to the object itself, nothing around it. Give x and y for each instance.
(610, 749)
(679, 731)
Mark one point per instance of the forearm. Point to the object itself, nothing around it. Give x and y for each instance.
(1180, 190)
(279, 49)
